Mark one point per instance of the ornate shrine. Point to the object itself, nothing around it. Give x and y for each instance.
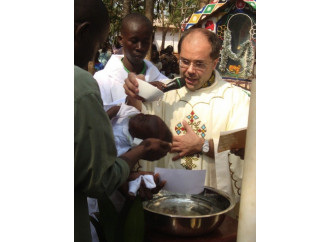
(234, 21)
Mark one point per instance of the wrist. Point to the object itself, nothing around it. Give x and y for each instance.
(205, 146)
(134, 102)
(133, 155)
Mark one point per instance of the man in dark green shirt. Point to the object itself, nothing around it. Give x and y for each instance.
(97, 169)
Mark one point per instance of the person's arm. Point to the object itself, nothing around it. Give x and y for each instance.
(131, 87)
(190, 144)
(131, 101)
(113, 111)
(158, 84)
(96, 167)
(150, 149)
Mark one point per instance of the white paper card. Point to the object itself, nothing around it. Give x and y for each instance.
(182, 181)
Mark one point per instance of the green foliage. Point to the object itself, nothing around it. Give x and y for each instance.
(115, 9)
(174, 11)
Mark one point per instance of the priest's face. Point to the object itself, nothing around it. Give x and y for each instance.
(196, 65)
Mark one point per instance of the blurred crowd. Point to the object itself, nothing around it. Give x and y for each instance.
(165, 60)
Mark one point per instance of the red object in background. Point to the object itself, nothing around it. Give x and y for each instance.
(209, 25)
(240, 4)
(183, 26)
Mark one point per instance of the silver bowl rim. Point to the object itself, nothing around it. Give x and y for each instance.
(224, 194)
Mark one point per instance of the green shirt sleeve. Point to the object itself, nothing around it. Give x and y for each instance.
(96, 166)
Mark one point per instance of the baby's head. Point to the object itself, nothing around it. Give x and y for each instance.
(145, 126)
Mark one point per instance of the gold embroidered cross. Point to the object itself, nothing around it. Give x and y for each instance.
(194, 124)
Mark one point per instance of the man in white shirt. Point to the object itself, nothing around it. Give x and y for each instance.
(136, 34)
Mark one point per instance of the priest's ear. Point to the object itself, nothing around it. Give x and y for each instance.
(215, 62)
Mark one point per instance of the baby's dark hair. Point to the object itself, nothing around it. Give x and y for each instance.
(145, 126)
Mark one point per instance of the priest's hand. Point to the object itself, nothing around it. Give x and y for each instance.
(131, 89)
(131, 85)
(187, 144)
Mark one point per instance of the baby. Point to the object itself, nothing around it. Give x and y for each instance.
(130, 126)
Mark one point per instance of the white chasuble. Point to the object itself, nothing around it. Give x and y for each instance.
(208, 111)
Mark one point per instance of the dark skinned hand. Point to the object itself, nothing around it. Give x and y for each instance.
(112, 112)
(144, 192)
(155, 149)
(158, 84)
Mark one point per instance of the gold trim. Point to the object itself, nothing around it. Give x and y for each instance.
(210, 81)
(232, 177)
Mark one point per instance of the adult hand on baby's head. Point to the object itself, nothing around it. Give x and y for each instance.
(155, 149)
